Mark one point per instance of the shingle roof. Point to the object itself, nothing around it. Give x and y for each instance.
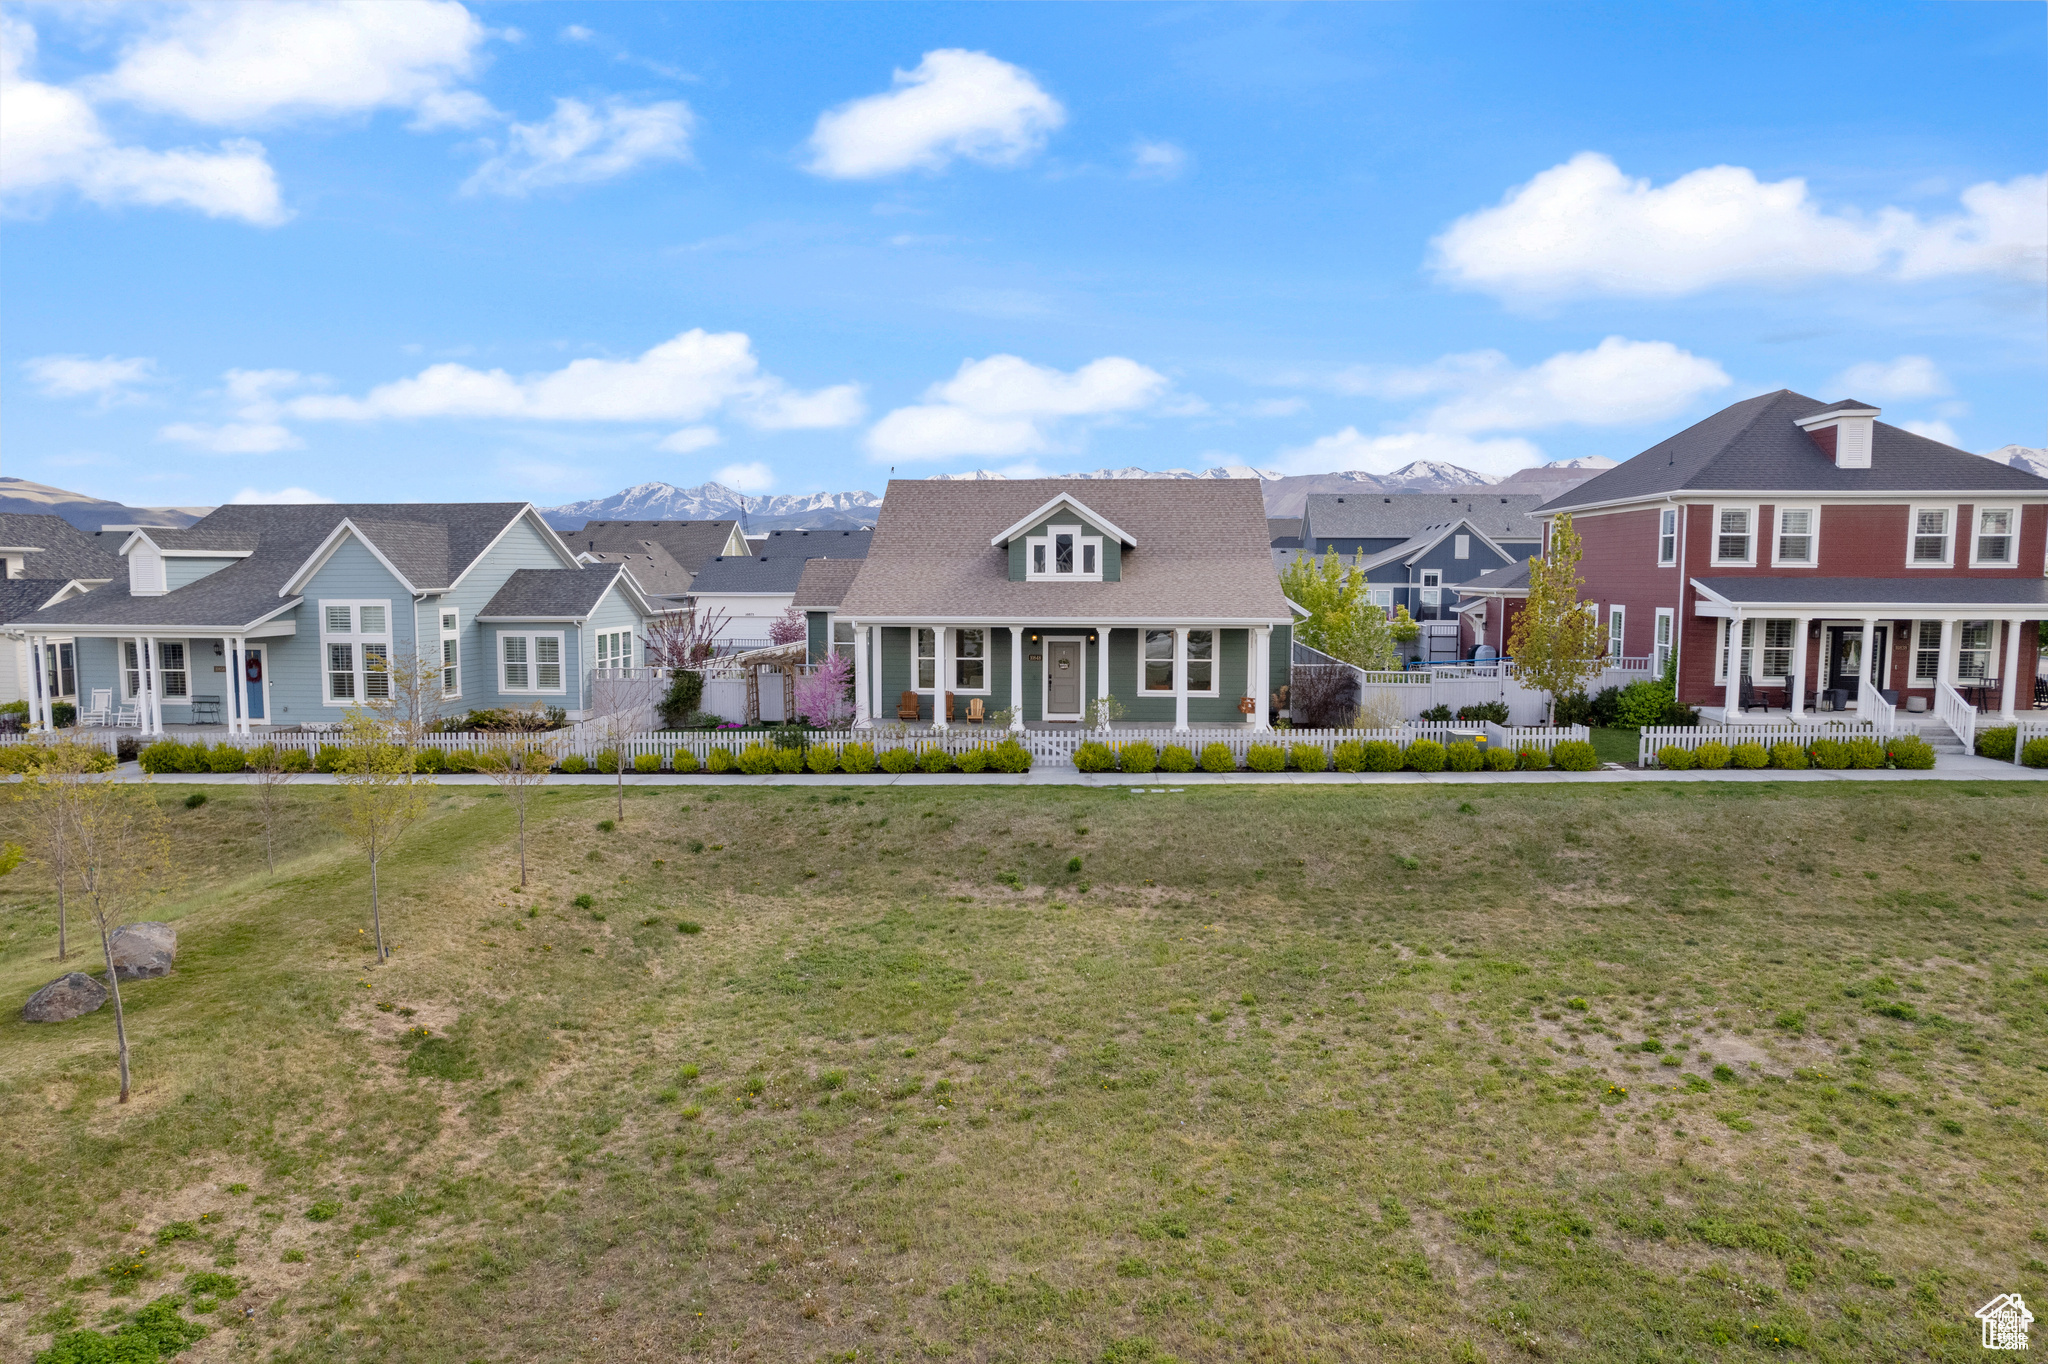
(198, 537)
(1753, 446)
(749, 573)
(1285, 530)
(654, 568)
(411, 535)
(689, 543)
(1204, 553)
(1507, 578)
(824, 582)
(21, 596)
(549, 594)
(1928, 591)
(1382, 516)
(66, 552)
(836, 542)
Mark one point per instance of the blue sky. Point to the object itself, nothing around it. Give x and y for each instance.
(416, 250)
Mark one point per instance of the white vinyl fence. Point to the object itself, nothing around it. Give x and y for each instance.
(1654, 737)
(2028, 730)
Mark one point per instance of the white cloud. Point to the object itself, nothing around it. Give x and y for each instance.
(232, 438)
(686, 378)
(1585, 228)
(1940, 431)
(1351, 449)
(576, 33)
(746, 478)
(283, 497)
(1909, 376)
(1003, 406)
(689, 439)
(241, 64)
(109, 379)
(54, 142)
(1617, 383)
(580, 145)
(1152, 160)
(955, 104)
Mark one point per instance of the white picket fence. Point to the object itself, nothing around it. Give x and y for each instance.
(1654, 737)
(2028, 730)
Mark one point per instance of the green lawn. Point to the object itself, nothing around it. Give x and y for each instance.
(1616, 745)
(1619, 1073)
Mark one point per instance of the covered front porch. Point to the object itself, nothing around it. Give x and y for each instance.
(1059, 675)
(156, 684)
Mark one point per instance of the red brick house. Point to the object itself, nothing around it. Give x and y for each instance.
(1834, 549)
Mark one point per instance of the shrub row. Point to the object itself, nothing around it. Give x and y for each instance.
(1352, 755)
(23, 758)
(1998, 741)
(168, 755)
(1904, 751)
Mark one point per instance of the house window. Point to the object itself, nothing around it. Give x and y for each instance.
(1662, 658)
(1432, 587)
(1201, 670)
(1159, 660)
(1461, 546)
(927, 660)
(1927, 652)
(1064, 552)
(1727, 635)
(173, 679)
(1616, 618)
(1994, 544)
(842, 638)
(1930, 538)
(615, 649)
(1796, 538)
(1382, 597)
(1667, 536)
(131, 675)
(1777, 656)
(1731, 538)
(970, 660)
(1973, 650)
(451, 655)
(355, 638)
(61, 670)
(530, 663)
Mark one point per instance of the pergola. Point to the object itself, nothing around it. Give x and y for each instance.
(786, 658)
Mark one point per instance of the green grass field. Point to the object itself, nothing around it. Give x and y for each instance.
(1677, 1072)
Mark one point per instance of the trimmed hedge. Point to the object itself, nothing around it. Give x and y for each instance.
(1750, 754)
(1712, 755)
(720, 761)
(1175, 758)
(2035, 754)
(1218, 758)
(1789, 756)
(1830, 754)
(647, 762)
(575, 764)
(1532, 759)
(855, 757)
(820, 758)
(898, 760)
(1676, 758)
(1426, 755)
(1136, 756)
(1464, 756)
(1095, 756)
(1500, 760)
(935, 759)
(1264, 757)
(1310, 757)
(1912, 752)
(683, 760)
(1574, 755)
(1997, 742)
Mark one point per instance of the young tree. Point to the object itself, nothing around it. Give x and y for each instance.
(681, 641)
(383, 797)
(789, 627)
(412, 703)
(122, 851)
(1556, 642)
(518, 767)
(273, 769)
(824, 696)
(50, 791)
(1342, 621)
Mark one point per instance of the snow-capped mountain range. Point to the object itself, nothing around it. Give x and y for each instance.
(2022, 457)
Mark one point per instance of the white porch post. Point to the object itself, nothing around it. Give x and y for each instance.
(1945, 666)
(2012, 668)
(1869, 658)
(1731, 697)
(238, 688)
(1102, 670)
(863, 695)
(145, 709)
(1262, 675)
(39, 713)
(1796, 703)
(1180, 679)
(942, 672)
(1017, 678)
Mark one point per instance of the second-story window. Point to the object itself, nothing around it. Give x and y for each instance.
(1064, 553)
(1994, 536)
(1930, 535)
(1795, 535)
(1731, 539)
(1667, 536)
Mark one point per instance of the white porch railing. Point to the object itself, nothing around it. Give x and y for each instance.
(1959, 715)
(1871, 705)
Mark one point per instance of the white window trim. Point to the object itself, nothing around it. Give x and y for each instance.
(1664, 639)
(532, 661)
(1926, 640)
(448, 635)
(2012, 537)
(1051, 574)
(988, 652)
(1180, 662)
(1948, 559)
(1748, 560)
(1758, 648)
(163, 669)
(601, 659)
(355, 638)
(1812, 559)
(917, 657)
(1671, 512)
(1461, 546)
(1617, 629)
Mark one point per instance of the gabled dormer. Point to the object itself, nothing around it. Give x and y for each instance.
(1064, 541)
(1843, 432)
(163, 559)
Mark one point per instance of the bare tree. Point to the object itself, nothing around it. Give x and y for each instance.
(682, 639)
(518, 766)
(273, 768)
(122, 850)
(50, 791)
(412, 705)
(383, 796)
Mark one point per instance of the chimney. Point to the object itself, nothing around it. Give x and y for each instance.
(1843, 432)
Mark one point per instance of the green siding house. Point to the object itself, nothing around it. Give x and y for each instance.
(1039, 596)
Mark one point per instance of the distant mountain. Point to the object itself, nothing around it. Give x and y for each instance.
(2022, 457)
(1558, 476)
(1129, 471)
(88, 513)
(715, 501)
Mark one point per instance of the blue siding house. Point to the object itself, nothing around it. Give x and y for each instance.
(1415, 547)
(260, 616)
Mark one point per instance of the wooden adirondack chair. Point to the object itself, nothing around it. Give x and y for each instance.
(906, 709)
(976, 711)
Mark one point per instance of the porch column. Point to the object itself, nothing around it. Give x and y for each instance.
(1180, 679)
(1017, 678)
(1731, 697)
(1869, 658)
(1945, 665)
(39, 713)
(1262, 675)
(942, 672)
(863, 695)
(2012, 669)
(238, 688)
(1796, 683)
(145, 673)
(1102, 670)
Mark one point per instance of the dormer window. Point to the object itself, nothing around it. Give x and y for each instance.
(1063, 554)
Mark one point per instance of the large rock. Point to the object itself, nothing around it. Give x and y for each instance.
(65, 998)
(143, 951)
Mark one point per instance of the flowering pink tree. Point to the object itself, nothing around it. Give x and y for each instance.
(825, 695)
(790, 628)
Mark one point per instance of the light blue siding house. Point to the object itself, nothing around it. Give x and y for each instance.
(282, 616)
